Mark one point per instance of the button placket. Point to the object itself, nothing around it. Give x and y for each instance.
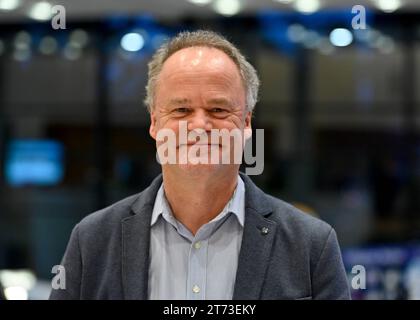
(197, 270)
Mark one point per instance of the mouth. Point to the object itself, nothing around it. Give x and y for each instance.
(200, 144)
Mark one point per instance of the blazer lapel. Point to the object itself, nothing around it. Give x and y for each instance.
(257, 241)
(136, 242)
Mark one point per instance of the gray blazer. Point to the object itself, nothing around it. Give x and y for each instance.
(285, 254)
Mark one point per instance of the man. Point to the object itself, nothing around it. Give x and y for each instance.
(202, 230)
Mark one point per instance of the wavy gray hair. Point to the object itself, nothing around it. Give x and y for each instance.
(202, 38)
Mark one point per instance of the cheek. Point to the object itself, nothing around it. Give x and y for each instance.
(166, 123)
(234, 121)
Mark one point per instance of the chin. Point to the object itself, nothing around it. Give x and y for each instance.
(200, 169)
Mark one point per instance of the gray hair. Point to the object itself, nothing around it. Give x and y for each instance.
(202, 38)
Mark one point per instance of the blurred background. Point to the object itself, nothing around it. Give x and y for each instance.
(339, 104)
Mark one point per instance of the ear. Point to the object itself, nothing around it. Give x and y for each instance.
(247, 127)
(152, 129)
(248, 118)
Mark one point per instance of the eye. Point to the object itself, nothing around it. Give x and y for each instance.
(182, 110)
(218, 110)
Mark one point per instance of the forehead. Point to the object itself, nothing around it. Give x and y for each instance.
(199, 60)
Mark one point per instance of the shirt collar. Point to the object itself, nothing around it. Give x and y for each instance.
(235, 205)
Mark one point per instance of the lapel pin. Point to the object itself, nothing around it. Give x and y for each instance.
(264, 230)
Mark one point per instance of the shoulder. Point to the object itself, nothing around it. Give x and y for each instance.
(291, 218)
(300, 232)
(108, 218)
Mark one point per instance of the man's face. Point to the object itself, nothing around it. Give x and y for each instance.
(202, 87)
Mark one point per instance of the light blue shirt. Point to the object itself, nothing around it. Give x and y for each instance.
(188, 267)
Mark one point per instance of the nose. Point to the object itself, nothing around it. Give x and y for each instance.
(199, 120)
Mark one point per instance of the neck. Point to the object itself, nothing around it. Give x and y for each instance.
(197, 199)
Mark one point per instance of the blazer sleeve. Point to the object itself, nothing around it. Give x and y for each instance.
(72, 263)
(329, 280)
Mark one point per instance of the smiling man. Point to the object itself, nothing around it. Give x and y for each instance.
(202, 230)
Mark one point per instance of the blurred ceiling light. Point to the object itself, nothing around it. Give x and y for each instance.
(296, 32)
(227, 7)
(200, 2)
(72, 53)
(79, 38)
(388, 5)
(312, 40)
(17, 278)
(40, 11)
(22, 54)
(132, 42)
(307, 6)
(48, 45)
(369, 35)
(16, 293)
(341, 37)
(22, 40)
(9, 5)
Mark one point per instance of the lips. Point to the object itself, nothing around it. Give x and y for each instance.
(199, 144)
(203, 144)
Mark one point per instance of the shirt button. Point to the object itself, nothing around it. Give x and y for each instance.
(196, 289)
(197, 245)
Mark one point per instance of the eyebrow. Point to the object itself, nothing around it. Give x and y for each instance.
(220, 102)
(179, 102)
(223, 102)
